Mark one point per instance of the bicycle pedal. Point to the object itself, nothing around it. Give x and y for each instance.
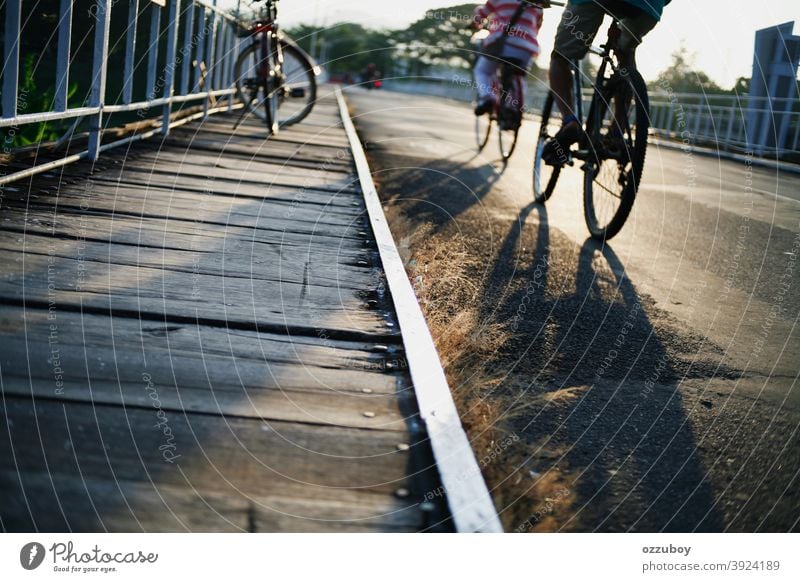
(297, 93)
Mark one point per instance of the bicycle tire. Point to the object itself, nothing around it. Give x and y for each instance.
(303, 74)
(633, 153)
(255, 102)
(507, 137)
(545, 176)
(271, 100)
(483, 129)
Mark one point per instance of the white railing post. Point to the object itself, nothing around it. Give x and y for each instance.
(62, 58)
(169, 71)
(130, 51)
(186, 51)
(11, 57)
(209, 59)
(99, 70)
(152, 48)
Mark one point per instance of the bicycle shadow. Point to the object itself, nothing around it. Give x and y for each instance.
(603, 388)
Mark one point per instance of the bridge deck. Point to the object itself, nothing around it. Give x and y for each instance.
(194, 338)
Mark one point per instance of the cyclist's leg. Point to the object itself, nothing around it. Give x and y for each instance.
(632, 29)
(485, 81)
(576, 31)
(517, 62)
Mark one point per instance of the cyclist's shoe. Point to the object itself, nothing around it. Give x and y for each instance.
(556, 149)
(484, 107)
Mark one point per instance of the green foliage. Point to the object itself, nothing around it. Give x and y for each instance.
(439, 38)
(31, 99)
(682, 76)
(346, 47)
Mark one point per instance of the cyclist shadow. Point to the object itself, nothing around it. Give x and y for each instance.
(442, 190)
(605, 380)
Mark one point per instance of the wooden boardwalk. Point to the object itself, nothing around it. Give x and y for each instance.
(195, 336)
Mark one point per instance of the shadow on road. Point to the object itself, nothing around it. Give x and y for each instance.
(598, 382)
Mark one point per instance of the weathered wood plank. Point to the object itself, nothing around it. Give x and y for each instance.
(279, 263)
(232, 455)
(119, 350)
(132, 506)
(178, 234)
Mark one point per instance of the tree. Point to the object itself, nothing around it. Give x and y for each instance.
(438, 38)
(682, 77)
(346, 47)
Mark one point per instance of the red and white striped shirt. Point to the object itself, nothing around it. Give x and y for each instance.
(523, 35)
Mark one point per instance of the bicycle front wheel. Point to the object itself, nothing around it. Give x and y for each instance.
(617, 132)
(545, 176)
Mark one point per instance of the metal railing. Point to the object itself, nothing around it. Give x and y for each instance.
(718, 120)
(197, 62)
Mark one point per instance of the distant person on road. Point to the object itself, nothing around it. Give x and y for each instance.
(576, 31)
(371, 77)
(519, 47)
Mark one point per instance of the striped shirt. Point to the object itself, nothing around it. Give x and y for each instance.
(523, 35)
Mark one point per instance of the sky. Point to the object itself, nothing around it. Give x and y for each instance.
(719, 32)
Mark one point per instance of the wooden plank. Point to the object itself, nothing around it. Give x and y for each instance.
(268, 175)
(188, 357)
(288, 155)
(158, 233)
(236, 455)
(279, 264)
(171, 201)
(330, 408)
(132, 506)
(179, 296)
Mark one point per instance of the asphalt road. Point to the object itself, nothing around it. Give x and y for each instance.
(671, 354)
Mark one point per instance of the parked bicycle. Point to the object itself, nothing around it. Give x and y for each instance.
(612, 146)
(507, 111)
(275, 78)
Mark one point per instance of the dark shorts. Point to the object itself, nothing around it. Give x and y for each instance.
(580, 23)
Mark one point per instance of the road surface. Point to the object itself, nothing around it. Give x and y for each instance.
(669, 357)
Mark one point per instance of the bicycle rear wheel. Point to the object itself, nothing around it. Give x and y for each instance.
(545, 176)
(617, 134)
(508, 132)
(283, 95)
(299, 89)
(483, 129)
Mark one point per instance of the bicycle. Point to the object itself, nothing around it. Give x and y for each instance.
(612, 145)
(275, 78)
(507, 111)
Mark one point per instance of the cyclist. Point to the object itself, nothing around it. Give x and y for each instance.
(576, 31)
(519, 48)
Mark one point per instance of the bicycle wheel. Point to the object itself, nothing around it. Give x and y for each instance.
(617, 132)
(483, 129)
(545, 176)
(299, 89)
(289, 99)
(273, 83)
(508, 132)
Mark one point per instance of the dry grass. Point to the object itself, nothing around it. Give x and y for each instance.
(448, 279)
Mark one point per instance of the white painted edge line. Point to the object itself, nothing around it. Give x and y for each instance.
(467, 495)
